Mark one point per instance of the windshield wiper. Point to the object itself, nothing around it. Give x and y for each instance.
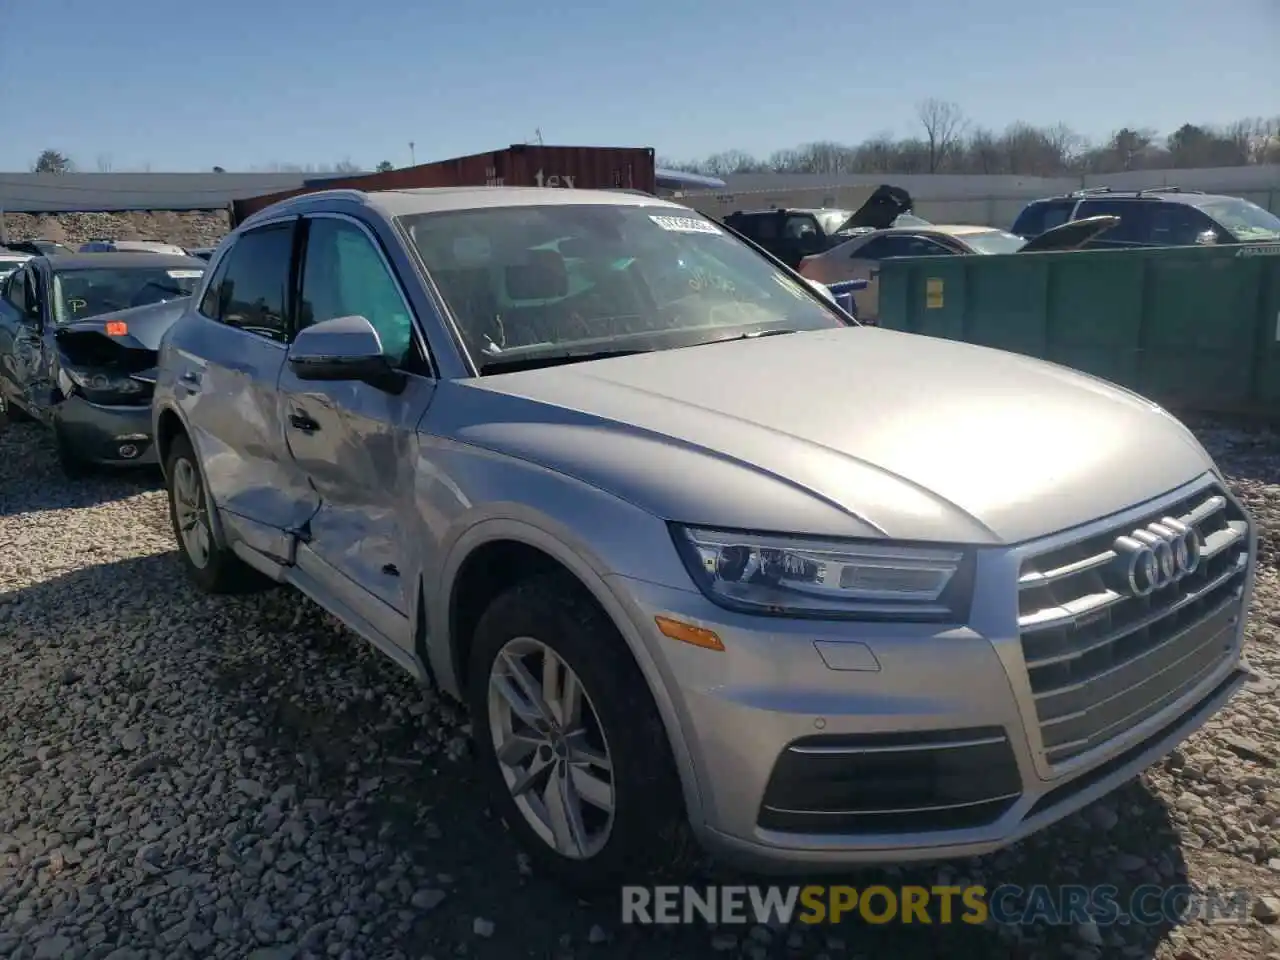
(753, 335)
(512, 364)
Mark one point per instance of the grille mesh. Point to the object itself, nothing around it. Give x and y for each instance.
(1101, 661)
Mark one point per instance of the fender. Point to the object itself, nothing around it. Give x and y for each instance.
(579, 561)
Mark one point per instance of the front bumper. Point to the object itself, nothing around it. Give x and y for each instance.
(818, 745)
(106, 434)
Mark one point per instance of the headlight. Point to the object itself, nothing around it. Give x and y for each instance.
(836, 579)
(97, 382)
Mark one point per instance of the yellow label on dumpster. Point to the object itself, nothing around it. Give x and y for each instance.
(933, 293)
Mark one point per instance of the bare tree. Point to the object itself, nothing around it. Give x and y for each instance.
(943, 125)
(104, 163)
(346, 166)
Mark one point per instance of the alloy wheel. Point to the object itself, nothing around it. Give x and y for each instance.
(190, 512)
(551, 748)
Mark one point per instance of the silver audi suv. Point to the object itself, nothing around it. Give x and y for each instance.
(703, 557)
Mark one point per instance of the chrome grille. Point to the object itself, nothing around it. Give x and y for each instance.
(1101, 660)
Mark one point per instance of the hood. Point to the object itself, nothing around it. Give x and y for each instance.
(849, 432)
(144, 326)
(880, 209)
(1070, 236)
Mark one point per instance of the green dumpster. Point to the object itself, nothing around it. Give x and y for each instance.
(1196, 328)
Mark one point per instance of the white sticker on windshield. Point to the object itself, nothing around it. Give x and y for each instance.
(686, 225)
(185, 274)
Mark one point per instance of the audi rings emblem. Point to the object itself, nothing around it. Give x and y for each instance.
(1156, 556)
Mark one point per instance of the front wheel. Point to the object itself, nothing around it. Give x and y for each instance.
(570, 742)
(214, 568)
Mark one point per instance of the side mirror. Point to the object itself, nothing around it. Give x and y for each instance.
(344, 349)
(1206, 238)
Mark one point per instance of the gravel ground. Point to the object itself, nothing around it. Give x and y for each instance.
(198, 228)
(185, 776)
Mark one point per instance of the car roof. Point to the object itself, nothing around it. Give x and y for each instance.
(789, 210)
(399, 203)
(1166, 195)
(89, 261)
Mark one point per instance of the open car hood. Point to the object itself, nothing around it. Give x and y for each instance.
(142, 326)
(1070, 236)
(880, 210)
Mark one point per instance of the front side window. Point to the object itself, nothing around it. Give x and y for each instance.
(1178, 225)
(535, 282)
(83, 293)
(344, 275)
(1246, 221)
(15, 291)
(250, 290)
(800, 226)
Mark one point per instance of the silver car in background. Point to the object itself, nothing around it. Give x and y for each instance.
(696, 550)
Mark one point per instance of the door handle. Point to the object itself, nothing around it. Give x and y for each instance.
(300, 421)
(190, 379)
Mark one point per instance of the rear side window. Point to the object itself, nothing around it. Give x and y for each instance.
(1135, 226)
(1036, 218)
(249, 291)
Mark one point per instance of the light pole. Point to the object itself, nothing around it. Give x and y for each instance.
(412, 161)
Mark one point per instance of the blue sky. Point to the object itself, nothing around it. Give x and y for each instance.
(248, 83)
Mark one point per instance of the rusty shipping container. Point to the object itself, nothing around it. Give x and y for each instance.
(520, 165)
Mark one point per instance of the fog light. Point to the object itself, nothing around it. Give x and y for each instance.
(127, 451)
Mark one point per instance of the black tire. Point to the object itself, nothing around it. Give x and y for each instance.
(73, 466)
(650, 834)
(223, 572)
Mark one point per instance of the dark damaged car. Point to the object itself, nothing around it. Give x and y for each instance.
(792, 234)
(78, 342)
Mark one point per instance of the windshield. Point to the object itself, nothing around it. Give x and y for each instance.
(994, 242)
(80, 294)
(539, 282)
(1247, 221)
(832, 220)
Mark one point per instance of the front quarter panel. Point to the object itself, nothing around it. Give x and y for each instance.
(468, 496)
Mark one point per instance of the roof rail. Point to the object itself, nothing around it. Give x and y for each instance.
(1147, 190)
(350, 192)
(1088, 191)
